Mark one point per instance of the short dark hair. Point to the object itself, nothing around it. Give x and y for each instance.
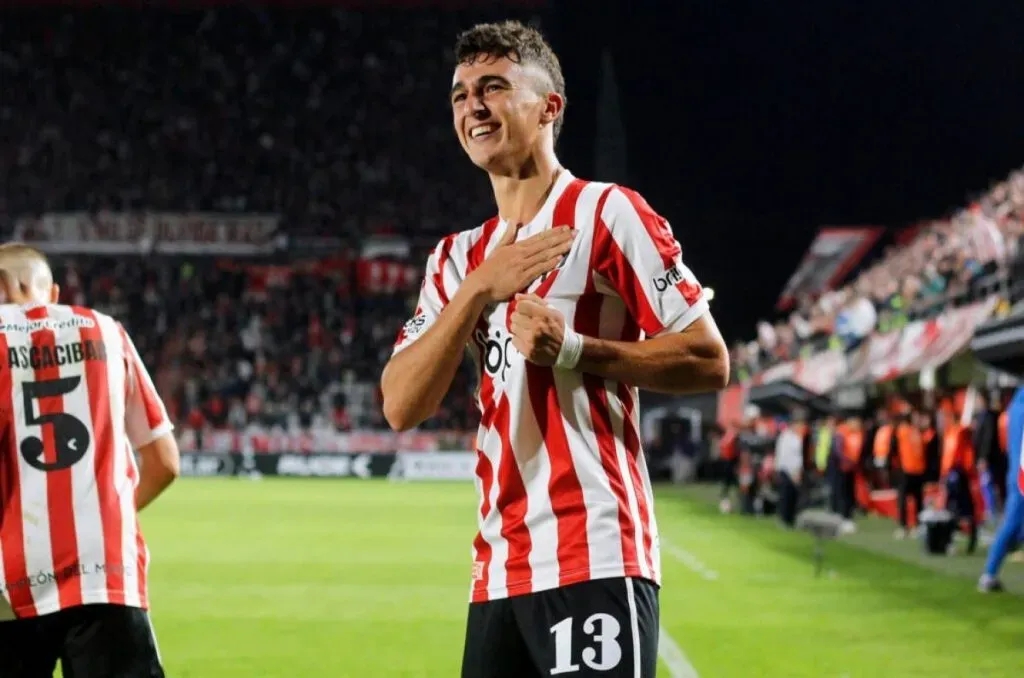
(517, 42)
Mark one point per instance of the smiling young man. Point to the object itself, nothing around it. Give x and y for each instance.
(569, 300)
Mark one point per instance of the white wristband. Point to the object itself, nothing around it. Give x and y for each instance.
(571, 351)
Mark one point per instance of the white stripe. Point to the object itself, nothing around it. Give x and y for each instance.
(156, 645)
(675, 659)
(634, 627)
(691, 561)
(85, 496)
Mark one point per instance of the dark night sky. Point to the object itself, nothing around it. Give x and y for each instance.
(750, 124)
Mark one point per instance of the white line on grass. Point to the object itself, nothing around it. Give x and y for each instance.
(691, 561)
(674, 657)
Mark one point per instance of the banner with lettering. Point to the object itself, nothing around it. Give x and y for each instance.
(261, 441)
(125, 233)
(922, 344)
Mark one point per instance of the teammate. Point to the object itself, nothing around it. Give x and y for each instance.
(569, 300)
(75, 400)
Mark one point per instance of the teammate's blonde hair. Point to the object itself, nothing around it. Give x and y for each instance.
(25, 274)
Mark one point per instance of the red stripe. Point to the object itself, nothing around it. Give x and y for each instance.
(632, 443)
(442, 261)
(479, 248)
(664, 242)
(564, 214)
(485, 472)
(96, 381)
(587, 322)
(567, 502)
(59, 484)
(511, 505)
(150, 398)
(486, 396)
(615, 266)
(655, 225)
(141, 559)
(12, 529)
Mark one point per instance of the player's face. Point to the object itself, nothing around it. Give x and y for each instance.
(498, 111)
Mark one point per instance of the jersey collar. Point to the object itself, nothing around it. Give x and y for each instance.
(547, 210)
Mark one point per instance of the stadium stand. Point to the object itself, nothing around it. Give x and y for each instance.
(937, 265)
(303, 116)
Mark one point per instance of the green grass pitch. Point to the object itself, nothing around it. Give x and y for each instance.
(309, 578)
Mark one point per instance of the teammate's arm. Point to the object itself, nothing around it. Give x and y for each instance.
(149, 429)
(430, 347)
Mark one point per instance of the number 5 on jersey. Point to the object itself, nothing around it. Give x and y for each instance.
(70, 435)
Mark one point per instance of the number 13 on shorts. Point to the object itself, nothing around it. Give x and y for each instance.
(603, 653)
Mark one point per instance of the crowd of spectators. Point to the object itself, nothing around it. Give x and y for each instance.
(232, 348)
(336, 120)
(939, 263)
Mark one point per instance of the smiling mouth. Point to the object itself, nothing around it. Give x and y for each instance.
(483, 132)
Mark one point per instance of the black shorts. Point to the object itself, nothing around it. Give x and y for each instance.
(90, 641)
(605, 628)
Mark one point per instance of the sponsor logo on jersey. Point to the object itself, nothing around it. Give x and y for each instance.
(52, 324)
(495, 351)
(415, 325)
(674, 277)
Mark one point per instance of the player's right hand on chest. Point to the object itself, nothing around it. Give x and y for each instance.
(512, 266)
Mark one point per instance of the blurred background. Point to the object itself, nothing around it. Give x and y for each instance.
(253, 191)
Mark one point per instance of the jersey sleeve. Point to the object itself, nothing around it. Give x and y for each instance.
(145, 416)
(439, 283)
(642, 261)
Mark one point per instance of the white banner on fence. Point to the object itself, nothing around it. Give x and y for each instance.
(196, 233)
(434, 466)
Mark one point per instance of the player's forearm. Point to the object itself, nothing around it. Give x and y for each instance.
(159, 466)
(675, 364)
(151, 486)
(416, 380)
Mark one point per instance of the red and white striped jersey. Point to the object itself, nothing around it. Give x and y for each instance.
(75, 401)
(564, 494)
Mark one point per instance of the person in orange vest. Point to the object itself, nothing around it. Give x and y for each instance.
(881, 446)
(911, 459)
(729, 452)
(959, 469)
(853, 446)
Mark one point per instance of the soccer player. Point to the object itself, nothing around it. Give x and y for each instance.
(569, 300)
(75, 400)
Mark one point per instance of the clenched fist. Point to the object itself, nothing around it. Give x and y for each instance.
(537, 330)
(512, 266)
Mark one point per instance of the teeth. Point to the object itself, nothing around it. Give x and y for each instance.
(481, 130)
